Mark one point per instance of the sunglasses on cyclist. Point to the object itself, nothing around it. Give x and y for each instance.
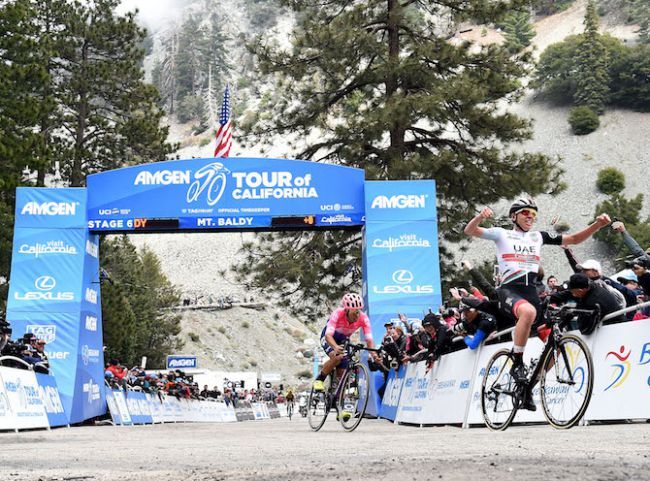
(528, 213)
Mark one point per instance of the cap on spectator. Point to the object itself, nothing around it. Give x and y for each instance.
(578, 281)
(430, 319)
(388, 324)
(591, 264)
(627, 276)
(642, 261)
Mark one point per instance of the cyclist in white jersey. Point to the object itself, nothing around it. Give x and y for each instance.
(518, 255)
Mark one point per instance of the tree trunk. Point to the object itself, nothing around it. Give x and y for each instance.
(397, 130)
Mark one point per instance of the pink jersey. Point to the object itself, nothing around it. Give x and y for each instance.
(338, 322)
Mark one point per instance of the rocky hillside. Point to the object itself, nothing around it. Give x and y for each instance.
(272, 340)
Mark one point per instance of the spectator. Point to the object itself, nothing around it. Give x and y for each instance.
(116, 369)
(205, 393)
(551, 286)
(631, 244)
(588, 294)
(641, 267)
(437, 340)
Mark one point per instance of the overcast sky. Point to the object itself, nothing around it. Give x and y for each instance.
(152, 13)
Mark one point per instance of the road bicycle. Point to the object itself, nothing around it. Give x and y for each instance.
(349, 396)
(290, 409)
(564, 370)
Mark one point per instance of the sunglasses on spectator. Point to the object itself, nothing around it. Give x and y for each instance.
(528, 213)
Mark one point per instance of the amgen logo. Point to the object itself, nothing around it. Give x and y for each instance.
(50, 208)
(399, 202)
(178, 362)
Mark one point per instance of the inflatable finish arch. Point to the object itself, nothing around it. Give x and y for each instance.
(55, 291)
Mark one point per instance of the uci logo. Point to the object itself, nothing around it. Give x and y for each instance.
(45, 283)
(402, 276)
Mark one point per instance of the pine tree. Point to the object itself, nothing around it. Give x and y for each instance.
(110, 114)
(21, 73)
(592, 76)
(380, 87)
(135, 304)
(518, 31)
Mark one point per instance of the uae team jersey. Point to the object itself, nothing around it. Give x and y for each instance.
(338, 323)
(518, 253)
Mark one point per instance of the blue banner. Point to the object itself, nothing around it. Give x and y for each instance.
(51, 208)
(225, 194)
(54, 293)
(181, 362)
(138, 407)
(56, 414)
(392, 393)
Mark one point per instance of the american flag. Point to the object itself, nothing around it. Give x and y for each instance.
(224, 134)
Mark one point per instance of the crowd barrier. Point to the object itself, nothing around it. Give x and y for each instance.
(450, 392)
(29, 400)
(135, 407)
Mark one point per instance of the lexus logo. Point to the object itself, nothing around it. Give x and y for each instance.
(45, 283)
(402, 276)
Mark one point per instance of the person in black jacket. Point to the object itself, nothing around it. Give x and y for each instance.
(589, 295)
(435, 340)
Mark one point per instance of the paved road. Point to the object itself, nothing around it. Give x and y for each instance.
(276, 450)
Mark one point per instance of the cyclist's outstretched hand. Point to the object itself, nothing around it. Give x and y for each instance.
(603, 219)
(486, 213)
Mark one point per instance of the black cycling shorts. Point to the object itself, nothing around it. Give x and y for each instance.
(340, 339)
(512, 295)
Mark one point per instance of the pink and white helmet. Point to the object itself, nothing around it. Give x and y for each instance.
(352, 301)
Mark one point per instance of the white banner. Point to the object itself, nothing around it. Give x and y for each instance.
(120, 402)
(414, 394)
(621, 355)
(448, 389)
(24, 398)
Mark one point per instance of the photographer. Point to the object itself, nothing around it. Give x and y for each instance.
(435, 339)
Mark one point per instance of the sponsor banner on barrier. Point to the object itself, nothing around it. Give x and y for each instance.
(448, 388)
(392, 393)
(50, 208)
(414, 395)
(156, 408)
(60, 331)
(56, 415)
(533, 350)
(112, 408)
(122, 407)
(24, 398)
(7, 418)
(621, 354)
(138, 416)
(237, 191)
(181, 361)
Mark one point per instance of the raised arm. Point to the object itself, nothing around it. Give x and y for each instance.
(601, 221)
(473, 228)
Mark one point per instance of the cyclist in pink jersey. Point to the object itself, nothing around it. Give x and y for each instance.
(343, 322)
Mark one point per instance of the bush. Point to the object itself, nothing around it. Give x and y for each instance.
(583, 120)
(194, 337)
(610, 181)
(245, 324)
(191, 107)
(304, 374)
(221, 329)
(561, 227)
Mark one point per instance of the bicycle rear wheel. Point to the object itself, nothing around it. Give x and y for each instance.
(290, 410)
(499, 392)
(353, 398)
(319, 405)
(567, 382)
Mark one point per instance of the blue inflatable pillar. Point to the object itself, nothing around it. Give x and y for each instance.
(400, 259)
(54, 293)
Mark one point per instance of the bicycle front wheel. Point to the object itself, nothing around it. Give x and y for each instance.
(318, 406)
(499, 392)
(353, 397)
(567, 382)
